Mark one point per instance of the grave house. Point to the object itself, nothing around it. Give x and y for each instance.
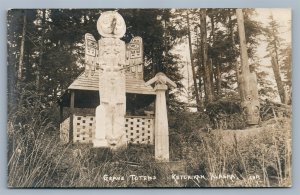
(78, 104)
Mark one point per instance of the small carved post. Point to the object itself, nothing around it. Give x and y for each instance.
(161, 118)
(247, 80)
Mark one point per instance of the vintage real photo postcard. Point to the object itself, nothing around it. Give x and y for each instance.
(109, 98)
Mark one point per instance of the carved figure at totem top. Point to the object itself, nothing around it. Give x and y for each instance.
(112, 57)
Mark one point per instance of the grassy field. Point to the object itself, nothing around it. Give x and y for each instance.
(256, 157)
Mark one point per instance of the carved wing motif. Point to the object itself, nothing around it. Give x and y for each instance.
(135, 55)
(91, 54)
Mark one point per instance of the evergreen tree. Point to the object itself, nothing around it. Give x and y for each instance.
(274, 44)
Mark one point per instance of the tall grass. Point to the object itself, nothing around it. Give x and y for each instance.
(37, 159)
(33, 152)
(264, 153)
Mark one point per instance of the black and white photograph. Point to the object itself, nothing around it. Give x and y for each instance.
(149, 98)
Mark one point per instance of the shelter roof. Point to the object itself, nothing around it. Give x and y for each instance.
(91, 83)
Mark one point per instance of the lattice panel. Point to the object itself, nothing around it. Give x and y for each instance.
(84, 129)
(64, 131)
(139, 130)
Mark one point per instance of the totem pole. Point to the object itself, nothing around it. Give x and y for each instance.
(112, 57)
(248, 82)
(161, 116)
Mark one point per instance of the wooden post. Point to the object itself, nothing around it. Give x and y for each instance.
(61, 113)
(247, 80)
(161, 124)
(71, 131)
(243, 44)
(161, 116)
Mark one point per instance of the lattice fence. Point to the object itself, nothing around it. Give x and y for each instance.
(139, 129)
(84, 129)
(64, 131)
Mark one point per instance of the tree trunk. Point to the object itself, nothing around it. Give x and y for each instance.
(276, 70)
(237, 67)
(192, 61)
(39, 66)
(218, 78)
(212, 61)
(27, 74)
(21, 58)
(200, 67)
(211, 74)
(207, 80)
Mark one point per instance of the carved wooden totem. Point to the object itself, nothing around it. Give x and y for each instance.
(247, 80)
(91, 54)
(134, 55)
(249, 98)
(112, 55)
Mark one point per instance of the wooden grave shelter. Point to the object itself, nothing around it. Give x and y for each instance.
(78, 104)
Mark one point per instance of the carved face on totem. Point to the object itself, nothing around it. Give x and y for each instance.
(111, 24)
(116, 142)
(250, 109)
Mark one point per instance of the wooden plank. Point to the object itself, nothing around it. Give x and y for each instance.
(133, 91)
(72, 101)
(61, 112)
